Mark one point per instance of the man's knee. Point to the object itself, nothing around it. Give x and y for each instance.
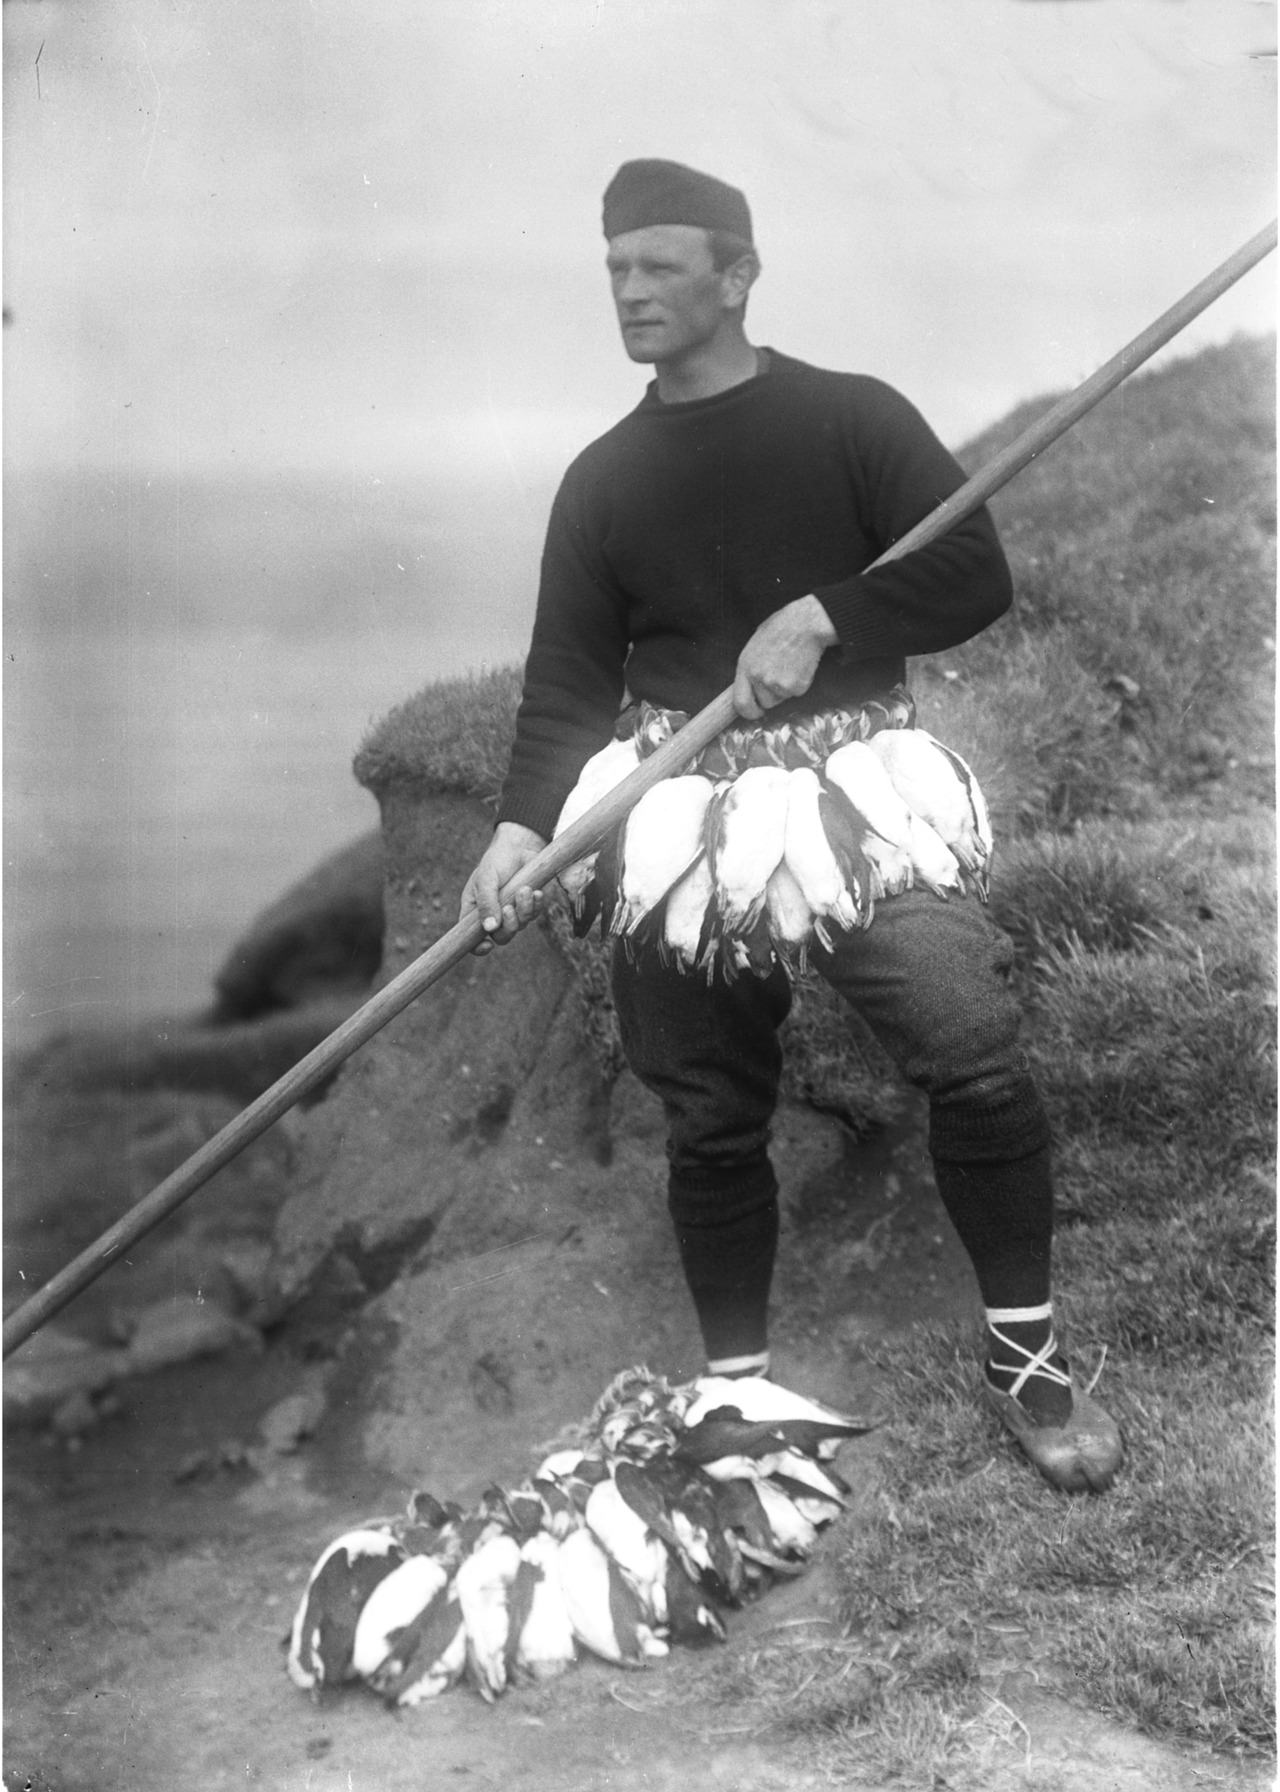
(983, 1102)
(707, 1195)
(996, 1119)
(932, 979)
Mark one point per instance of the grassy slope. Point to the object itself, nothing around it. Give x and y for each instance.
(1121, 723)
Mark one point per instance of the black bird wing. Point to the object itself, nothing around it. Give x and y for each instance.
(334, 1603)
(416, 1647)
(692, 1615)
(687, 1489)
(724, 1432)
(519, 1605)
(742, 1511)
(809, 1435)
(643, 1492)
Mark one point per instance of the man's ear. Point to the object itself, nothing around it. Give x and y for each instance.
(738, 279)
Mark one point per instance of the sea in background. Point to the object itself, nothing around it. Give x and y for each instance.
(189, 669)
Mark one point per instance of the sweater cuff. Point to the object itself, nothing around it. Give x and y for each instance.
(531, 809)
(859, 628)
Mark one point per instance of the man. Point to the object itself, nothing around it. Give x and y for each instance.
(721, 534)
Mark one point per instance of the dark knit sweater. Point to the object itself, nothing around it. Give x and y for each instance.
(674, 535)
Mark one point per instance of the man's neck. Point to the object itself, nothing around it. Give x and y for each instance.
(714, 367)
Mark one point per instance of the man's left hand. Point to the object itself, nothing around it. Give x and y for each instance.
(781, 658)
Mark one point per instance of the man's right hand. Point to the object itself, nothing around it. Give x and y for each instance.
(508, 852)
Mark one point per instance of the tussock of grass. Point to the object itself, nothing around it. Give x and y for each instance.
(1151, 453)
(1146, 1660)
(452, 736)
(1138, 659)
(1040, 730)
(1197, 1282)
(868, 1715)
(1086, 892)
(1152, 1047)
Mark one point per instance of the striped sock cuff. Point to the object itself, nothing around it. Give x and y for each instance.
(740, 1365)
(1019, 1315)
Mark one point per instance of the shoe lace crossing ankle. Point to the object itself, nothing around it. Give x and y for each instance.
(1025, 1363)
(1038, 1362)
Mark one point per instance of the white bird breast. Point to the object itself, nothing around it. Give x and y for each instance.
(626, 1537)
(661, 839)
(483, 1582)
(545, 1646)
(790, 917)
(788, 1523)
(926, 777)
(603, 772)
(855, 770)
(395, 1602)
(809, 856)
(758, 1401)
(750, 836)
(687, 910)
(603, 1608)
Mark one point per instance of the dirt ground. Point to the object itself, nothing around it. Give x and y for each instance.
(154, 1564)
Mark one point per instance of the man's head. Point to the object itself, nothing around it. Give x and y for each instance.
(681, 259)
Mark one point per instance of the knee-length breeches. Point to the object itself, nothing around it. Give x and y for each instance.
(931, 979)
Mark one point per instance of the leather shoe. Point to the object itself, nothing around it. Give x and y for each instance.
(1083, 1455)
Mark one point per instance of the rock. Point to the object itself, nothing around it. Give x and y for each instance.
(53, 1343)
(512, 1341)
(53, 1368)
(236, 1059)
(79, 1160)
(201, 1464)
(247, 1268)
(75, 1415)
(323, 936)
(177, 1331)
(490, 1058)
(291, 1421)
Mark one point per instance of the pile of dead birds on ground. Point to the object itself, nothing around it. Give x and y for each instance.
(669, 1507)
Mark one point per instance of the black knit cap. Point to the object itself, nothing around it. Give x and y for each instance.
(655, 192)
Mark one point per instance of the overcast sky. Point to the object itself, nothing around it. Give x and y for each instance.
(316, 233)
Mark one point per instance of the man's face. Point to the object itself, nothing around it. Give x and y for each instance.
(668, 295)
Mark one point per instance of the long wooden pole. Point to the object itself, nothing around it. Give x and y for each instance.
(592, 827)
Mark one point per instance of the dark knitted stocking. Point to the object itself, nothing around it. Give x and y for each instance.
(1003, 1213)
(726, 1225)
